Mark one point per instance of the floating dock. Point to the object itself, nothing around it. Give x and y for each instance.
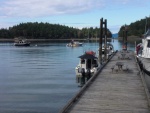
(114, 89)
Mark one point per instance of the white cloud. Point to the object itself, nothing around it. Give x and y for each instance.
(68, 11)
(39, 8)
(6, 25)
(36, 8)
(136, 3)
(114, 28)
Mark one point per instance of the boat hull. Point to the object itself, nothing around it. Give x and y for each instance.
(25, 44)
(147, 80)
(145, 68)
(77, 44)
(79, 74)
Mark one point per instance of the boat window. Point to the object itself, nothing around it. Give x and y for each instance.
(93, 61)
(82, 61)
(103, 52)
(88, 65)
(110, 48)
(148, 45)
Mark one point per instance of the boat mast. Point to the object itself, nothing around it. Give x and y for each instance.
(146, 25)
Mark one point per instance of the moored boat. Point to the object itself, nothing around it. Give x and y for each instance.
(21, 42)
(88, 65)
(143, 56)
(109, 51)
(74, 44)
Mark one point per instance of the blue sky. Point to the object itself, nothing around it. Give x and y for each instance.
(73, 13)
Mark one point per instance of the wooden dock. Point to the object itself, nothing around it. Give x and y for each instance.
(113, 90)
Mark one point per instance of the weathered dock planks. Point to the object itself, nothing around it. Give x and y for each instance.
(117, 91)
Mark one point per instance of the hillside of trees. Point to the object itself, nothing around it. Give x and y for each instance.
(136, 28)
(49, 31)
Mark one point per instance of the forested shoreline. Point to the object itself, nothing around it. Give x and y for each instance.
(137, 28)
(49, 31)
(35, 30)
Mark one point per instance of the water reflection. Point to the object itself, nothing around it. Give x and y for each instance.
(39, 78)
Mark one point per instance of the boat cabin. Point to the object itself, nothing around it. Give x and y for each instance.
(88, 63)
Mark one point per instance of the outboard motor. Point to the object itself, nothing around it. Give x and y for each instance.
(81, 79)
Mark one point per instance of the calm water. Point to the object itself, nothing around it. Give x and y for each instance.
(39, 79)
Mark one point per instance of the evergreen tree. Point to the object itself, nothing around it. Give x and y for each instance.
(49, 31)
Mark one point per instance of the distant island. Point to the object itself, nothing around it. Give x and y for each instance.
(46, 31)
(115, 35)
(135, 29)
(49, 31)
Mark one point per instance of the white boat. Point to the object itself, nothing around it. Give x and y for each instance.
(74, 44)
(88, 62)
(143, 56)
(21, 42)
(110, 50)
(143, 49)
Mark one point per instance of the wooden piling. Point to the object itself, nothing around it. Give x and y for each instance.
(100, 40)
(105, 43)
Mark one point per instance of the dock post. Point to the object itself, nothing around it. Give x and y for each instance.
(105, 43)
(125, 30)
(100, 41)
